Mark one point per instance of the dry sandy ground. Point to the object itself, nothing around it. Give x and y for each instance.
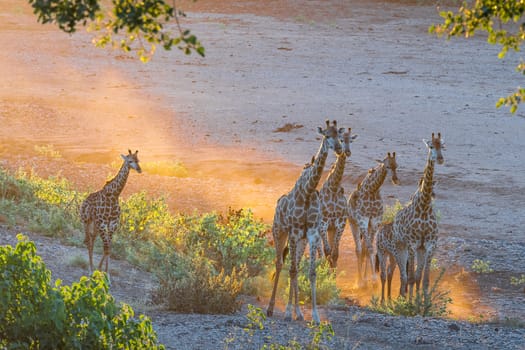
(371, 65)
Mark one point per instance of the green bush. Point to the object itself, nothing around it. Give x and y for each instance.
(84, 315)
(47, 206)
(229, 241)
(191, 284)
(480, 266)
(326, 288)
(390, 212)
(142, 217)
(434, 304)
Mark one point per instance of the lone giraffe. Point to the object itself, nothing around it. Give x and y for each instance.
(296, 223)
(365, 212)
(416, 225)
(100, 211)
(334, 211)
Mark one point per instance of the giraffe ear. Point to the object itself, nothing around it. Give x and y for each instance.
(427, 143)
(353, 137)
(123, 156)
(320, 130)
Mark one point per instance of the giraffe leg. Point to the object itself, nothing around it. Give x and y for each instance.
(301, 247)
(89, 240)
(314, 240)
(323, 230)
(419, 269)
(390, 274)
(365, 251)
(402, 260)
(106, 240)
(293, 278)
(280, 245)
(357, 241)
(426, 271)
(411, 274)
(340, 227)
(361, 266)
(371, 246)
(383, 272)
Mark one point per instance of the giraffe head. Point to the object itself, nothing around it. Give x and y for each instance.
(346, 138)
(434, 148)
(391, 166)
(331, 137)
(132, 160)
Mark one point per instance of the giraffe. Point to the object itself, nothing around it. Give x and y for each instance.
(334, 210)
(389, 247)
(296, 222)
(416, 225)
(100, 211)
(365, 212)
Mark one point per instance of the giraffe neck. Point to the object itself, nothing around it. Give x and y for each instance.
(115, 186)
(313, 178)
(375, 180)
(333, 181)
(424, 199)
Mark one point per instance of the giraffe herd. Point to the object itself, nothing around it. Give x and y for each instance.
(305, 216)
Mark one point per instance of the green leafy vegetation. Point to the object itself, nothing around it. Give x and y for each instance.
(502, 21)
(434, 304)
(390, 212)
(319, 336)
(219, 256)
(326, 288)
(517, 281)
(47, 206)
(37, 315)
(481, 266)
(129, 25)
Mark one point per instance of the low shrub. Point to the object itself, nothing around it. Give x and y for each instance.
(481, 266)
(191, 284)
(46, 206)
(326, 288)
(434, 304)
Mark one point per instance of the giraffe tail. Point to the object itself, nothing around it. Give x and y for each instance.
(377, 262)
(285, 254)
